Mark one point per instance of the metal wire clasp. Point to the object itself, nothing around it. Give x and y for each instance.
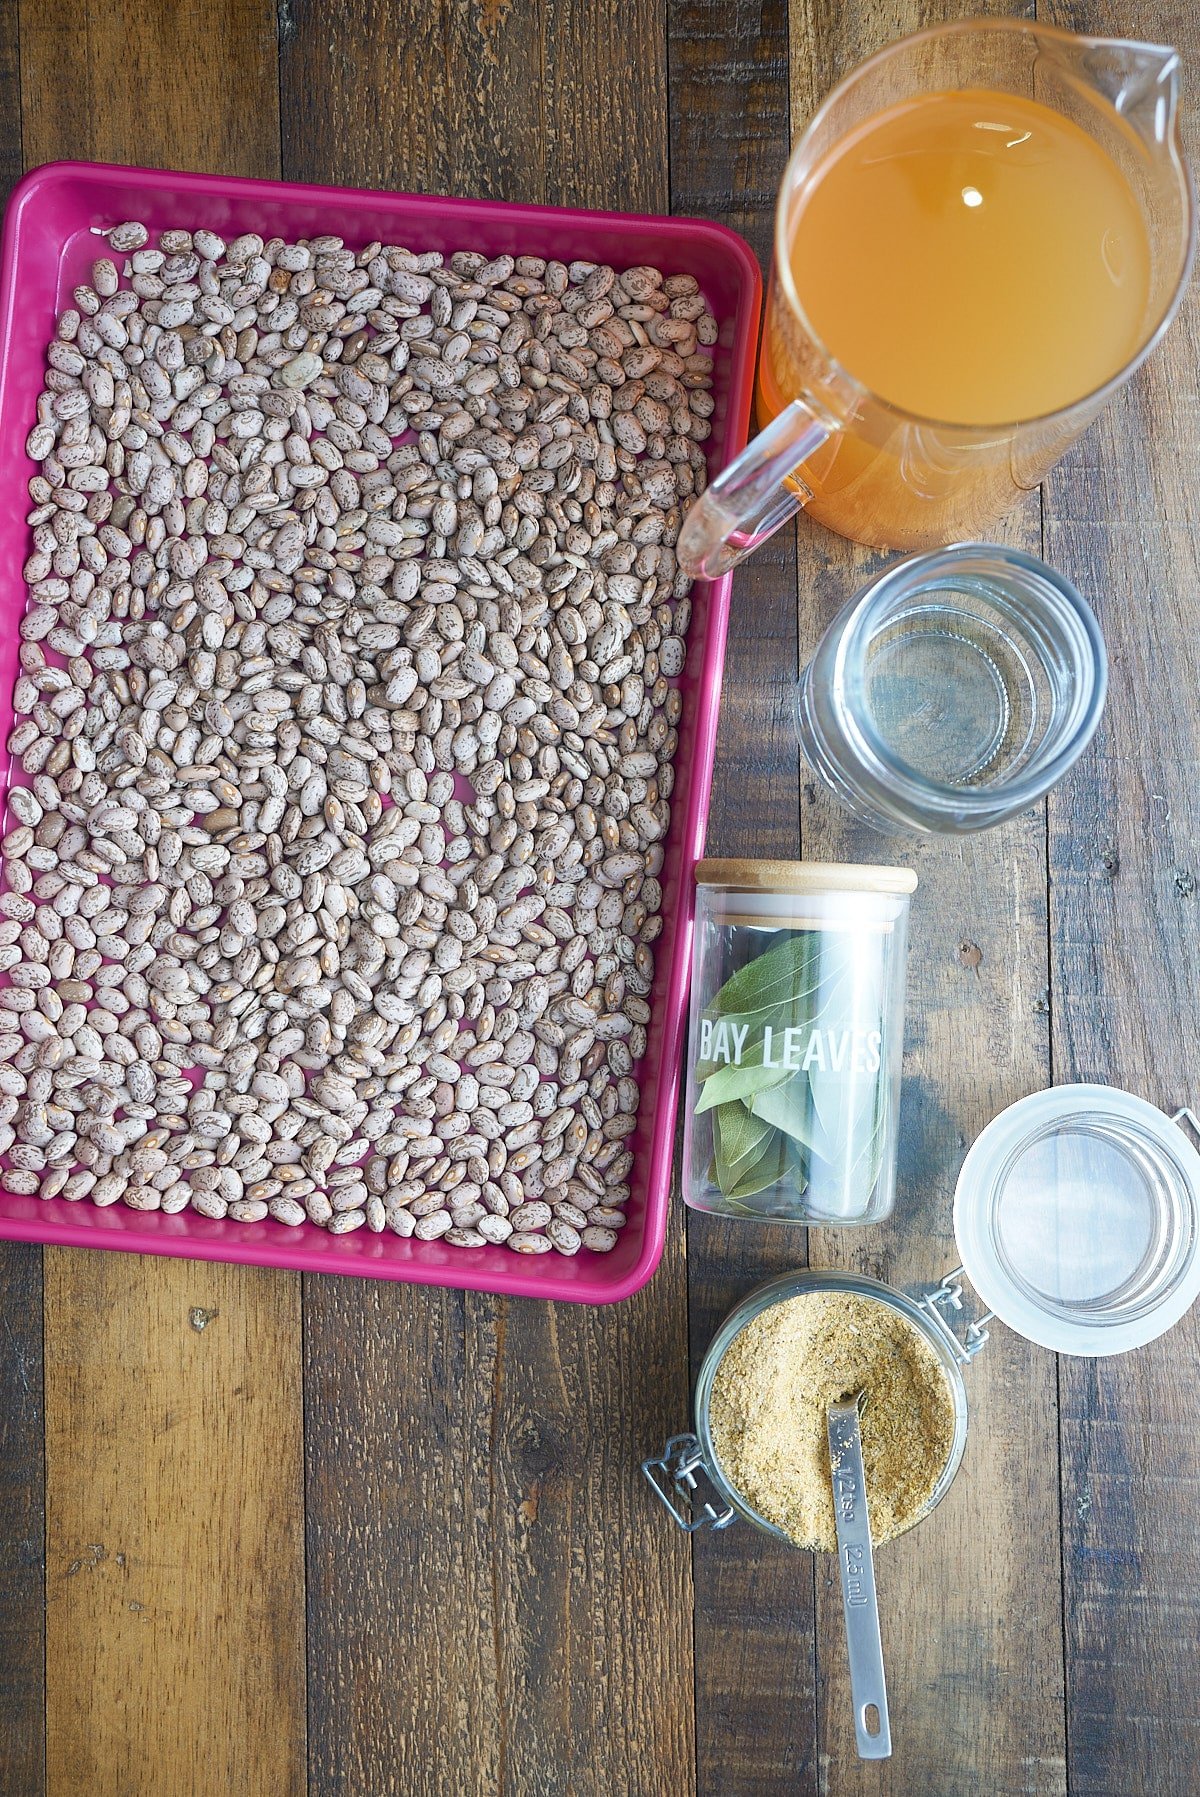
(674, 1471)
(1185, 1114)
(948, 1297)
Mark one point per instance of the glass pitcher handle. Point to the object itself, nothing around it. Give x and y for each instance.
(759, 491)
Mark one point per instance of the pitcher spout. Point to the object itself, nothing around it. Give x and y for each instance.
(1140, 81)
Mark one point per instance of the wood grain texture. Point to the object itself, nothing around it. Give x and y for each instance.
(167, 83)
(1125, 873)
(604, 77)
(22, 1517)
(174, 1529)
(972, 1642)
(755, 1694)
(970, 1600)
(22, 1524)
(11, 166)
(180, 1666)
(406, 1653)
(495, 1602)
(427, 99)
(494, 1606)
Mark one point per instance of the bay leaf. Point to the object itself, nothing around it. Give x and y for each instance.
(769, 1167)
(739, 1139)
(784, 975)
(808, 1012)
(850, 1107)
(751, 1054)
(823, 1127)
(789, 1108)
(839, 1098)
(726, 1084)
(863, 1174)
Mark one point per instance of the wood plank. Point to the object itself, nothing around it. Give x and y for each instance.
(1120, 522)
(972, 1642)
(10, 98)
(603, 78)
(495, 1602)
(180, 1663)
(755, 1693)
(594, 1596)
(22, 1514)
(494, 1606)
(960, 1612)
(405, 1644)
(424, 100)
(22, 1524)
(174, 1530)
(165, 83)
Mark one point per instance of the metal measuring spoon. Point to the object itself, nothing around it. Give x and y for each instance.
(857, 1568)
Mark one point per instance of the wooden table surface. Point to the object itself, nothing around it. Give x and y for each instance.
(262, 1534)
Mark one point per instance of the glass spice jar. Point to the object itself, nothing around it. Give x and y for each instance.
(1077, 1216)
(795, 1040)
(673, 1474)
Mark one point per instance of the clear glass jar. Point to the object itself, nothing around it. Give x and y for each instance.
(954, 691)
(674, 1474)
(795, 1040)
(1077, 1216)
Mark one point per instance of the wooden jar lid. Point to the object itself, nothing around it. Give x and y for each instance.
(805, 876)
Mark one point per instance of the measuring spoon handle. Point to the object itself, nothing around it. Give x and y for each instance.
(856, 1566)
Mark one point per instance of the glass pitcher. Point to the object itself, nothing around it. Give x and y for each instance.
(862, 465)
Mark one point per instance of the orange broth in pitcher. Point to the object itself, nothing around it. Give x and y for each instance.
(971, 257)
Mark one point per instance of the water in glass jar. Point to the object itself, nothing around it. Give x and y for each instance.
(962, 685)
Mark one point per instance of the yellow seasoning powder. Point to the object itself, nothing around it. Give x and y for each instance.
(774, 1383)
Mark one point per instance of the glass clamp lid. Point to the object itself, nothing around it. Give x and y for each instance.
(1077, 1216)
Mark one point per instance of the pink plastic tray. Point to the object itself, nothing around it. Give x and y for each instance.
(48, 244)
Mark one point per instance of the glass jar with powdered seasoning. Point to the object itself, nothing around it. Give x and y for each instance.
(791, 1347)
(795, 1041)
